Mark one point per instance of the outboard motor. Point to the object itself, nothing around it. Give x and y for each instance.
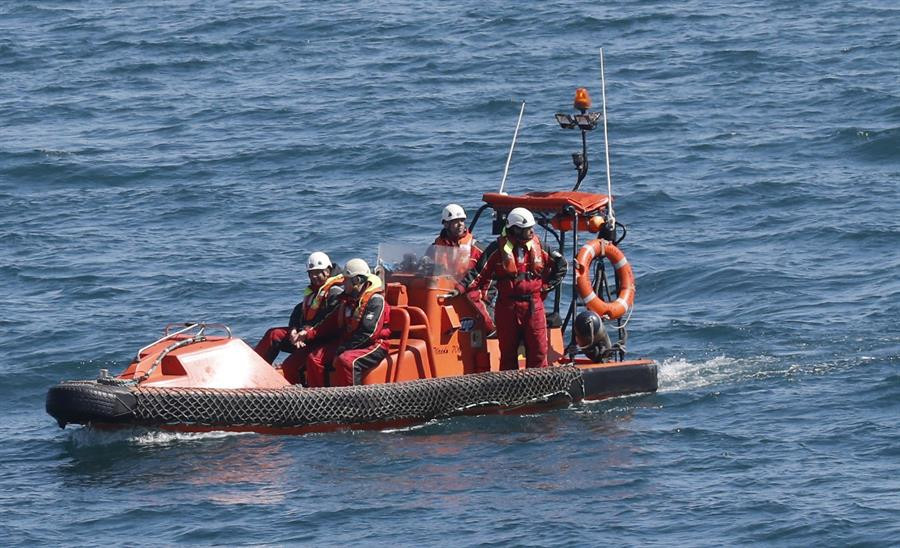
(591, 337)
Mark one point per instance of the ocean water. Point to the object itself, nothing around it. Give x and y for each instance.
(177, 160)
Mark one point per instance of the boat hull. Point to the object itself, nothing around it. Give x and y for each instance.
(297, 410)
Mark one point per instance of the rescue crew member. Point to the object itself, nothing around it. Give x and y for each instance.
(456, 235)
(525, 273)
(357, 330)
(319, 298)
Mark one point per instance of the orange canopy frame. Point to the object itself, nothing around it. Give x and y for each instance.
(548, 202)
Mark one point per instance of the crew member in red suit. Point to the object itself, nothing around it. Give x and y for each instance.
(319, 298)
(464, 257)
(356, 332)
(525, 273)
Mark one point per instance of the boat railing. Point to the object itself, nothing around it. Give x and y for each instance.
(186, 327)
(419, 326)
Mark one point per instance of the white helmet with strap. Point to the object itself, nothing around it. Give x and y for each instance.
(356, 267)
(453, 212)
(317, 261)
(520, 217)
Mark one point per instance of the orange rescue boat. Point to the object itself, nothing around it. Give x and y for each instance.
(198, 377)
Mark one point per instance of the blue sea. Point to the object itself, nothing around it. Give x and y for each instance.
(169, 160)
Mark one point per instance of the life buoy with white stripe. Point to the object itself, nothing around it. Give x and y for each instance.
(624, 279)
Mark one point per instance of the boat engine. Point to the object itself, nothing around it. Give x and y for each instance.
(591, 337)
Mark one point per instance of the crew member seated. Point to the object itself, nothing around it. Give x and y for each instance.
(525, 273)
(319, 298)
(354, 336)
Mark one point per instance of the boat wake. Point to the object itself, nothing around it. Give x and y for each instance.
(677, 374)
(90, 437)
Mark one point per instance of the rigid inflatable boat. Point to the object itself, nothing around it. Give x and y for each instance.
(198, 377)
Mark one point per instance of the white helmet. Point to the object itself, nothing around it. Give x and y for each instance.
(356, 267)
(520, 217)
(453, 212)
(318, 261)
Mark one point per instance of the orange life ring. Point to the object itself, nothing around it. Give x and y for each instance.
(624, 279)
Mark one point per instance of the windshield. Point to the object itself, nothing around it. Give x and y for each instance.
(423, 260)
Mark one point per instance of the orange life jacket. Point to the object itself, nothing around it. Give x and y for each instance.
(465, 241)
(350, 318)
(508, 266)
(459, 262)
(320, 297)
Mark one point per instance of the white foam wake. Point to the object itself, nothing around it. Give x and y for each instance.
(679, 374)
(88, 437)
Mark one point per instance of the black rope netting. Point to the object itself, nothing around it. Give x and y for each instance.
(297, 406)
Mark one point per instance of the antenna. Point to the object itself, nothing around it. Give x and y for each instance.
(511, 147)
(610, 218)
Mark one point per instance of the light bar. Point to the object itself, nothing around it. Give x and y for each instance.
(565, 121)
(587, 121)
